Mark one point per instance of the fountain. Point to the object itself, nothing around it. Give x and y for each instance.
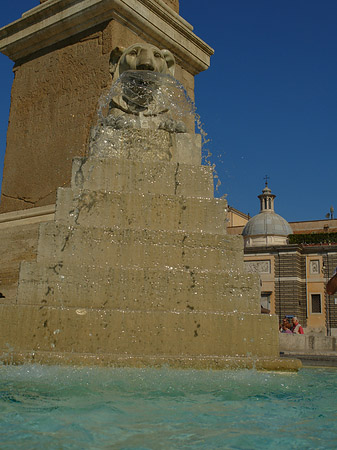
(137, 269)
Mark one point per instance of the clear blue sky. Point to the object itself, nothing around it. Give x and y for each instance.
(268, 102)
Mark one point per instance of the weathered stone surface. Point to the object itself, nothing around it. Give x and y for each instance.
(152, 20)
(136, 211)
(138, 333)
(18, 243)
(313, 344)
(146, 145)
(139, 277)
(125, 247)
(174, 4)
(58, 80)
(274, 364)
(53, 106)
(118, 175)
(137, 289)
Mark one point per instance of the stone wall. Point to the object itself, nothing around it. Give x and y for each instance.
(19, 232)
(53, 106)
(17, 243)
(308, 344)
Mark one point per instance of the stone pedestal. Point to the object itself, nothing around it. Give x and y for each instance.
(137, 269)
(61, 51)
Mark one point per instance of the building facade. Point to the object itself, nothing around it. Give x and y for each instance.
(295, 261)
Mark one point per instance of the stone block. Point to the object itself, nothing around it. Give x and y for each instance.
(133, 334)
(120, 175)
(17, 243)
(146, 145)
(186, 148)
(140, 211)
(138, 248)
(137, 289)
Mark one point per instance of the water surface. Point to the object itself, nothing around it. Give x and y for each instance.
(83, 408)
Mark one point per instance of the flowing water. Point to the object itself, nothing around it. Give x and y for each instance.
(93, 408)
(146, 93)
(152, 100)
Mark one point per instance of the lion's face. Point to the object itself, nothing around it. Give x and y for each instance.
(141, 57)
(145, 57)
(139, 94)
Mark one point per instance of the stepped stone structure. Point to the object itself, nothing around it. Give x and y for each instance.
(137, 269)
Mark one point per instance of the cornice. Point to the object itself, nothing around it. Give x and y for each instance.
(56, 20)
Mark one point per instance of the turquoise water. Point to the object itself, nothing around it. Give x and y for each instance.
(68, 408)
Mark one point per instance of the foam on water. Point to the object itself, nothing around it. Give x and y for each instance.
(55, 407)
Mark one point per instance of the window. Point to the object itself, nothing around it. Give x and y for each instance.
(265, 302)
(316, 307)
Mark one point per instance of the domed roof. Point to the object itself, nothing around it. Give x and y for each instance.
(267, 223)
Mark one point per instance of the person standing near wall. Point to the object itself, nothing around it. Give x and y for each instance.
(297, 328)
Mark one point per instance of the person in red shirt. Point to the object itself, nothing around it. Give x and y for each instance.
(297, 328)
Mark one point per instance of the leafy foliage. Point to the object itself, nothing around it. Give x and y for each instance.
(313, 238)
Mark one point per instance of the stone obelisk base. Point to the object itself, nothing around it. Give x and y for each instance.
(137, 270)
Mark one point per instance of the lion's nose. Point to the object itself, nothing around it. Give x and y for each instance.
(145, 66)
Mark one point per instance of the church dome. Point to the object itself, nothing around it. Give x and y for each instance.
(267, 227)
(267, 223)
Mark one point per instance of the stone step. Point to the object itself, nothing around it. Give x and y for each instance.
(18, 243)
(138, 333)
(139, 248)
(121, 175)
(124, 289)
(146, 144)
(141, 211)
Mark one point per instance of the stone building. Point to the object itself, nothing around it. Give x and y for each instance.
(295, 260)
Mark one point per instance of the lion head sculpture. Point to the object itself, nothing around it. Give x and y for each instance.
(141, 57)
(142, 76)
